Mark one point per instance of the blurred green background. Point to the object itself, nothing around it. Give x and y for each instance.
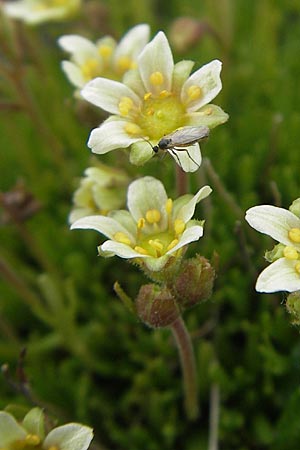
(88, 358)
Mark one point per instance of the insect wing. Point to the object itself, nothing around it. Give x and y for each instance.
(187, 136)
(189, 158)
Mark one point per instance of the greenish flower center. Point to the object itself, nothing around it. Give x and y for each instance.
(151, 240)
(160, 115)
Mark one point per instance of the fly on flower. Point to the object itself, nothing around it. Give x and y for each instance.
(180, 139)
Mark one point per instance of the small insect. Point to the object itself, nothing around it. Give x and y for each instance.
(180, 139)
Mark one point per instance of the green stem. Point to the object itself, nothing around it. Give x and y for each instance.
(188, 366)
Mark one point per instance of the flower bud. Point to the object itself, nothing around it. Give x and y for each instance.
(156, 306)
(194, 282)
(186, 32)
(293, 306)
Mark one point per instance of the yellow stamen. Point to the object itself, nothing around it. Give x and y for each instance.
(156, 78)
(141, 223)
(132, 129)
(124, 63)
(156, 244)
(179, 226)
(153, 216)
(164, 94)
(290, 252)
(169, 205)
(90, 68)
(147, 96)
(294, 235)
(150, 112)
(297, 267)
(141, 250)
(122, 238)
(53, 447)
(194, 93)
(32, 439)
(125, 106)
(105, 51)
(172, 244)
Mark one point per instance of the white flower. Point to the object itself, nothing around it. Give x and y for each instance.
(154, 228)
(34, 12)
(30, 434)
(101, 190)
(105, 58)
(154, 100)
(283, 226)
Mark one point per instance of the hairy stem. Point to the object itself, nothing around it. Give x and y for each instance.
(188, 366)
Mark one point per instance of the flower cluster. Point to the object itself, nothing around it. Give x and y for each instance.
(154, 229)
(102, 189)
(35, 12)
(105, 58)
(284, 226)
(30, 433)
(153, 100)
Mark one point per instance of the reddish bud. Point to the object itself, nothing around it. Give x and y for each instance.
(156, 306)
(194, 283)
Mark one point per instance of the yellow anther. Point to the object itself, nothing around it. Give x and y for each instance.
(141, 250)
(125, 106)
(164, 94)
(122, 238)
(105, 51)
(179, 226)
(124, 63)
(156, 244)
(150, 112)
(290, 252)
(294, 235)
(32, 439)
(172, 244)
(132, 129)
(156, 78)
(147, 96)
(153, 216)
(141, 223)
(91, 68)
(169, 206)
(297, 267)
(194, 92)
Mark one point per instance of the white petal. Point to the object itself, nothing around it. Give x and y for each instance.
(189, 158)
(107, 94)
(10, 430)
(124, 218)
(74, 73)
(279, 276)
(72, 436)
(273, 221)
(156, 57)
(208, 79)
(186, 212)
(109, 136)
(144, 194)
(79, 47)
(189, 235)
(133, 42)
(105, 225)
(119, 249)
